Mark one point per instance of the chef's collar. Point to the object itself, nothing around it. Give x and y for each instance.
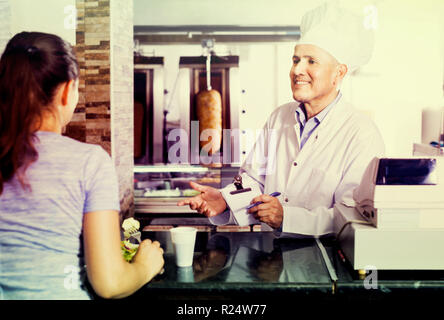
(300, 110)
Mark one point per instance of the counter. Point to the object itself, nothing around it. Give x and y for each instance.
(236, 266)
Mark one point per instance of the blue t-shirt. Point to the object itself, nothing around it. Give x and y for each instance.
(41, 230)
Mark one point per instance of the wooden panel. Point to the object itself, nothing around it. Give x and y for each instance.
(157, 228)
(233, 228)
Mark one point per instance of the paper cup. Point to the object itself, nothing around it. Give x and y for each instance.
(183, 239)
(185, 274)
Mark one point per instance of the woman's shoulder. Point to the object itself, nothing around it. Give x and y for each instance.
(67, 147)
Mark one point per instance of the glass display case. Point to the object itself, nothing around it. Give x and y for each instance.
(158, 188)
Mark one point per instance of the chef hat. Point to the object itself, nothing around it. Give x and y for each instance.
(340, 32)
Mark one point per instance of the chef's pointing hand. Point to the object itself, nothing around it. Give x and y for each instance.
(209, 202)
(269, 212)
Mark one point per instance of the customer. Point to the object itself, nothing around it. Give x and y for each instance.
(55, 192)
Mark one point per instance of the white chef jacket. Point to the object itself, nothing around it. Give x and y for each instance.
(312, 179)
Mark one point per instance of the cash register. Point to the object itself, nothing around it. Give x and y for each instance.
(397, 222)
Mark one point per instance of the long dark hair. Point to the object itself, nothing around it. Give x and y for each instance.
(32, 66)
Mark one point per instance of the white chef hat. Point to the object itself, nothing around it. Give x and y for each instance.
(340, 32)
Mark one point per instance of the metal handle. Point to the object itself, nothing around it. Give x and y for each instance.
(209, 71)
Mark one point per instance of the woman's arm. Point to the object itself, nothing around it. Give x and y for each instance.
(109, 274)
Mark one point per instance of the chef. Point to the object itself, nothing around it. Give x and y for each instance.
(314, 150)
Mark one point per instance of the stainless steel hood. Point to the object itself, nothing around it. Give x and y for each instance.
(220, 33)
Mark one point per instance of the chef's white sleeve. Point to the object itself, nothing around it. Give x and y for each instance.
(253, 173)
(319, 220)
(236, 212)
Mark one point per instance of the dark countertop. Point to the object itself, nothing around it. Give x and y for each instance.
(233, 265)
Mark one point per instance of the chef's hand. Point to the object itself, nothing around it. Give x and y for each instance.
(269, 212)
(209, 203)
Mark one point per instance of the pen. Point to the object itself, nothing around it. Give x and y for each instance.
(341, 255)
(274, 194)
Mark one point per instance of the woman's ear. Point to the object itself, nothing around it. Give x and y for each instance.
(68, 90)
(69, 97)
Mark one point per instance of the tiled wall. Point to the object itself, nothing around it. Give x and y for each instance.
(122, 98)
(104, 115)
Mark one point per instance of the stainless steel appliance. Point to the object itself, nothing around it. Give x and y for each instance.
(148, 109)
(224, 79)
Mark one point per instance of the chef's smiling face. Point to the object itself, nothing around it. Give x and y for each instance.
(314, 74)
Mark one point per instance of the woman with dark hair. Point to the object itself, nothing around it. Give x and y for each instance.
(59, 199)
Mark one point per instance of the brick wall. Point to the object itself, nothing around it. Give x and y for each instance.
(122, 98)
(104, 115)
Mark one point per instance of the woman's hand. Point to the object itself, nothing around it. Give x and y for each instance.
(150, 257)
(209, 203)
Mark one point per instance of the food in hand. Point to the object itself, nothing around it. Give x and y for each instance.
(128, 249)
(128, 225)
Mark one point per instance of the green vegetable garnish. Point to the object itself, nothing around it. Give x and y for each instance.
(128, 250)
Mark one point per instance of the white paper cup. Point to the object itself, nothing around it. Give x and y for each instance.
(183, 239)
(185, 274)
